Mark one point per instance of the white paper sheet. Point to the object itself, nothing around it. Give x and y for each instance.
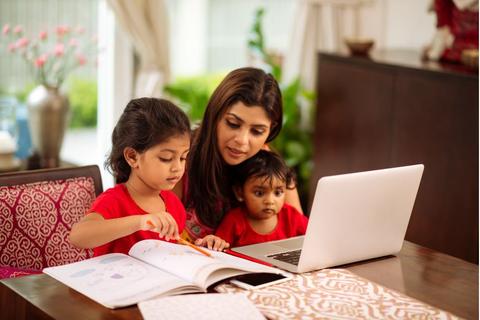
(200, 307)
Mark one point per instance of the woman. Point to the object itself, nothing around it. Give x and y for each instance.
(243, 114)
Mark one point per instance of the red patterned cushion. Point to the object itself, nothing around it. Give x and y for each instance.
(7, 272)
(36, 219)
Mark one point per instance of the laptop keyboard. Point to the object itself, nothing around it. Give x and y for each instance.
(291, 257)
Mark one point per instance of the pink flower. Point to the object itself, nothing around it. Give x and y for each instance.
(40, 61)
(81, 59)
(73, 42)
(62, 30)
(11, 47)
(43, 35)
(56, 58)
(22, 43)
(6, 29)
(59, 49)
(18, 29)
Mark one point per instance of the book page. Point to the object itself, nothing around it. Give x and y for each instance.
(191, 265)
(116, 280)
(200, 307)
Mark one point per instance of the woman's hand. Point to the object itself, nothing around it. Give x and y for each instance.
(161, 222)
(212, 242)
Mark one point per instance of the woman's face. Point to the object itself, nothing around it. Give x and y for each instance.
(241, 132)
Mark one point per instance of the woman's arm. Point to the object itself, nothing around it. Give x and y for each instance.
(292, 198)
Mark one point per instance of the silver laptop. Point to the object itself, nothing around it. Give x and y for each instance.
(354, 217)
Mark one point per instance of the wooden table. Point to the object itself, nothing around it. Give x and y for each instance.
(440, 280)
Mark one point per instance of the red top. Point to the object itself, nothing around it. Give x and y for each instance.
(236, 230)
(117, 203)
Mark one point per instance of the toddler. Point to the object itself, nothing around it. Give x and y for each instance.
(259, 184)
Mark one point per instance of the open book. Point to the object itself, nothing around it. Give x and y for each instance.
(153, 268)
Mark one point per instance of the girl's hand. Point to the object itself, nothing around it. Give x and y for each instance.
(212, 242)
(161, 222)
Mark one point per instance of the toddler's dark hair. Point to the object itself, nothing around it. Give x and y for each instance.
(265, 164)
(144, 123)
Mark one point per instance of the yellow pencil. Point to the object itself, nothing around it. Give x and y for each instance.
(191, 245)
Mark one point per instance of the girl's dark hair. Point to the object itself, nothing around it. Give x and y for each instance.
(208, 184)
(265, 164)
(144, 123)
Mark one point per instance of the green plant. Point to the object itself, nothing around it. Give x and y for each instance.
(82, 94)
(192, 93)
(294, 142)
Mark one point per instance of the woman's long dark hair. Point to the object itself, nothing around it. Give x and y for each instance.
(208, 176)
(144, 123)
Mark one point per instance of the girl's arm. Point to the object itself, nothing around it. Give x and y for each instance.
(292, 198)
(94, 230)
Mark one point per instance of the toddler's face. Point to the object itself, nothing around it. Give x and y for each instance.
(264, 197)
(162, 166)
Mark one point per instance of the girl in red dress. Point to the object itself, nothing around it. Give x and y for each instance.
(150, 144)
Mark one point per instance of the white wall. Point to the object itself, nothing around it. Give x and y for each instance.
(211, 35)
(399, 23)
(188, 34)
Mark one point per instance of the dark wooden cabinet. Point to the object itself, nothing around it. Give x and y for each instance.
(392, 109)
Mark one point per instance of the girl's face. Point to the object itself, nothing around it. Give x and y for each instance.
(241, 132)
(263, 197)
(162, 166)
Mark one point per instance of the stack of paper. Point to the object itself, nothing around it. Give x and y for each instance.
(200, 307)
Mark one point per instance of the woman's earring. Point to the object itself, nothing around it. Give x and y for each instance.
(240, 199)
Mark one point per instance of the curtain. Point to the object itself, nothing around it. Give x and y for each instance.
(318, 25)
(146, 23)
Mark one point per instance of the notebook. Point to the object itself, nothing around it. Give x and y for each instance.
(354, 217)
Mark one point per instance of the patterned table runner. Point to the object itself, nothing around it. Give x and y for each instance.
(335, 294)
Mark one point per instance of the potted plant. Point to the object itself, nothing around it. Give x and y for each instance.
(50, 57)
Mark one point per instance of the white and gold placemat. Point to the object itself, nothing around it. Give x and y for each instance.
(335, 294)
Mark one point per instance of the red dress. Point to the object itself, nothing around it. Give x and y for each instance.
(236, 230)
(117, 203)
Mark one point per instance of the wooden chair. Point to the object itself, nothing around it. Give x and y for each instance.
(37, 211)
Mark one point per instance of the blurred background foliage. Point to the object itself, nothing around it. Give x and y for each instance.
(82, 94)
(192, 93)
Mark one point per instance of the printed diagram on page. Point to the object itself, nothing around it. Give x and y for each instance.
(117, 269)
